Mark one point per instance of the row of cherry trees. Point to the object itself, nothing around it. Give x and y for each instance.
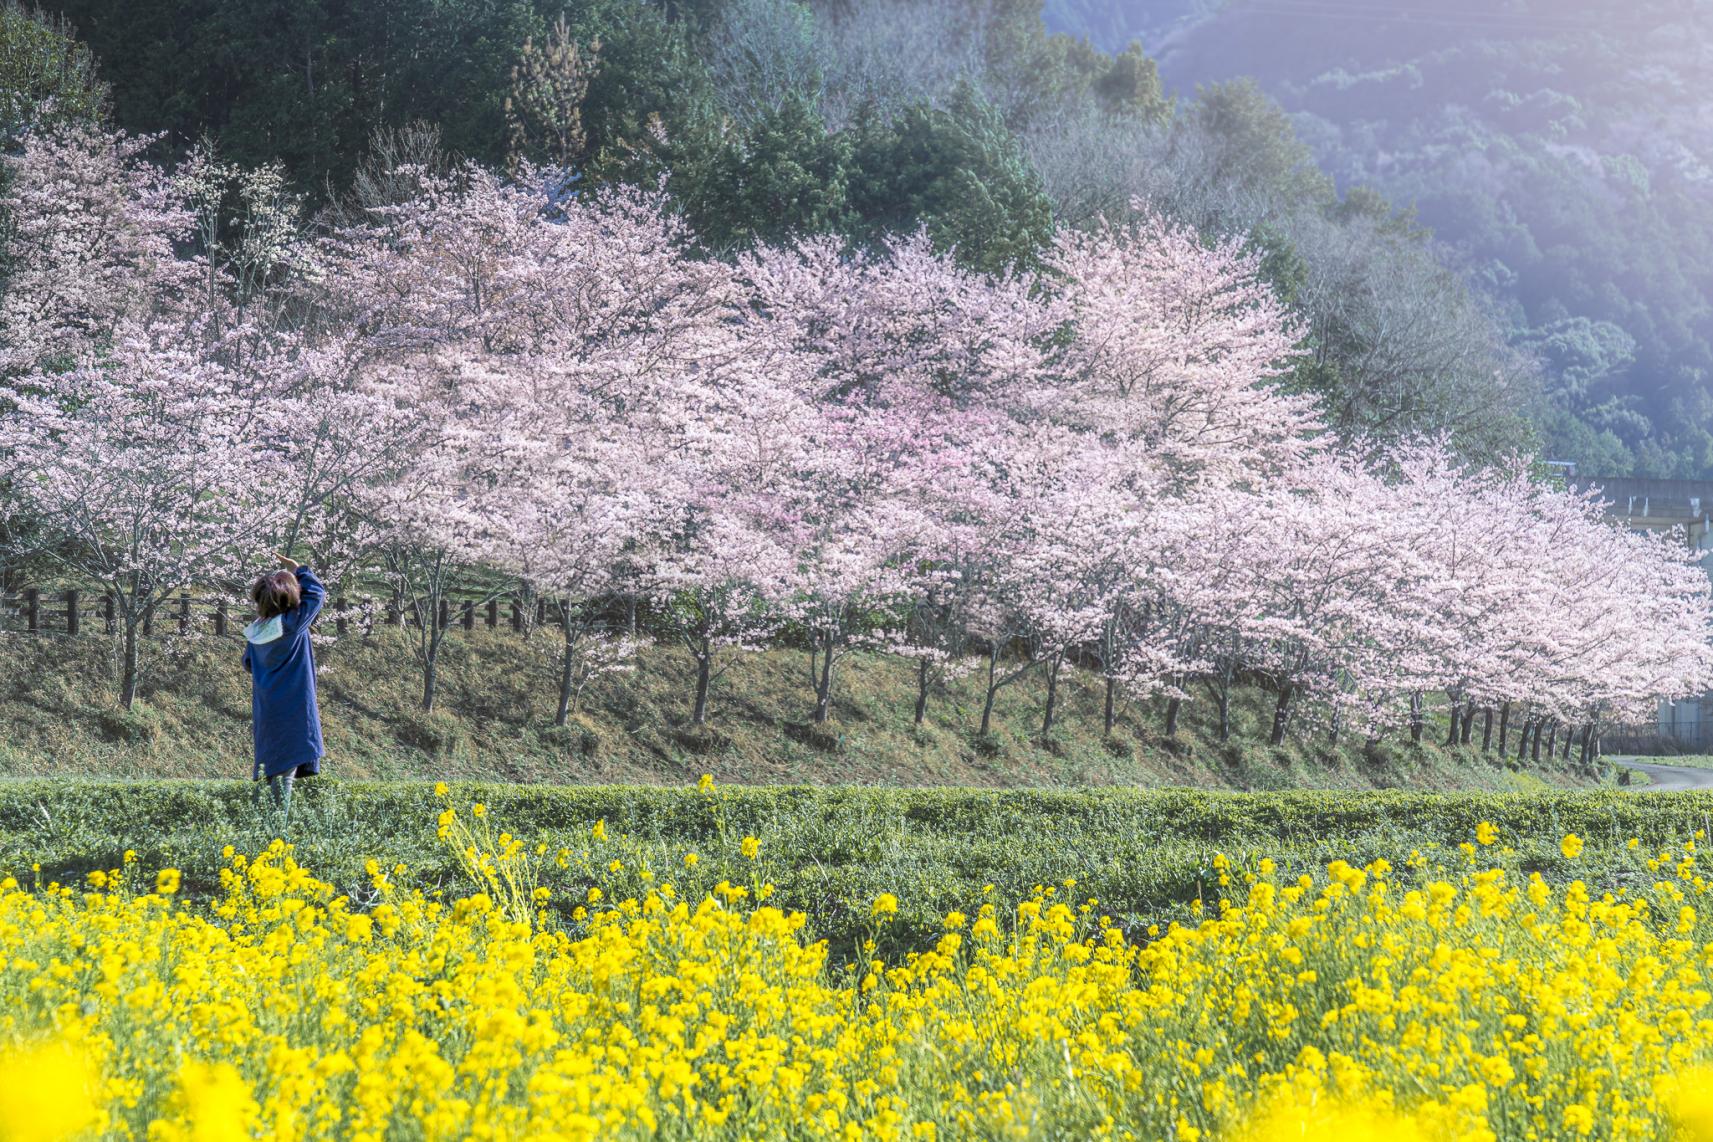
(477, 379)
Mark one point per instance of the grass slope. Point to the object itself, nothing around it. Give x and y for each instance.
(494, 723)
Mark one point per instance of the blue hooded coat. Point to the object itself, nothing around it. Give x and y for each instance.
(283, 716)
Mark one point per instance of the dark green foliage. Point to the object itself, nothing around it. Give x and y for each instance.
(1131, 86)
(650, 104)
(1256, 146)
(307, 81)
(958, 172)
(46, 75)
(782, 177)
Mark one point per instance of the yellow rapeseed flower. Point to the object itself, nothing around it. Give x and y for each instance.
(1688, 1099)
(214, 1104)
(1441, 1000)
(45, 1093)
(1570, 846)
(1486, 832)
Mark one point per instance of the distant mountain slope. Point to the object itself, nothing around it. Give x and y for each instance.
(1565, 148)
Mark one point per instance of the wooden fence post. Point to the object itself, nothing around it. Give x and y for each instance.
(32, 609)
(109, 620)
(517, 617)
(493, 613)
(71, 615)
(222, 615)
(469, 615)
(445, 612)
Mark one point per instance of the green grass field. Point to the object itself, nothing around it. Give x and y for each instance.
(1146, 855)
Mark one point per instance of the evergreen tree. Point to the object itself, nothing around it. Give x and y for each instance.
(959, 173)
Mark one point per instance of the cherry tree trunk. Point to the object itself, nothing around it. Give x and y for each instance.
(704, 672)
(1223, 702)
(128, 685)
(430, 635)
(430, 667)
(1535, 753)
(1569, 732)
(1172, 707)
(824, 684)
(1551, 741)
(1487, 730)
(1529, 726)
(1451, 732)
(992, 690)
(1281, 715)
(1504, 725)
(1415, 717)
(1053, 666)
(921, 690)
(1107, 713)
(1468, 720)
(1587, 756)
(567, 661)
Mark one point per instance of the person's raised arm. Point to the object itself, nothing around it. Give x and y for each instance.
(311, 594)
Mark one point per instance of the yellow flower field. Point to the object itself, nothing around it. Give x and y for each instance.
(1446, 998)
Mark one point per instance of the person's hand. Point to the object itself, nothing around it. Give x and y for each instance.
(286, 561)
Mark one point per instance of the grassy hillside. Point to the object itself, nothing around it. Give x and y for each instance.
(494, 723)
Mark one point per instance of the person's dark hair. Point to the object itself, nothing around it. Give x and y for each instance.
(275, 593)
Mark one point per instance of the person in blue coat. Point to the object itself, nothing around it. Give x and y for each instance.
(277, 656)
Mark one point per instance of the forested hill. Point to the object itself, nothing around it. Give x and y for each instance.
(1565, 148)
(769, 120)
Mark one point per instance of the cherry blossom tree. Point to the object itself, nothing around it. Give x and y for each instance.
(144, 428)
(147, 467)
(1177, 346)
(474, 382)
(95, 231)
(893, 362)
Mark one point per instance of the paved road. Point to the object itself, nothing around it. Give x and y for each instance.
(1668, 778)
